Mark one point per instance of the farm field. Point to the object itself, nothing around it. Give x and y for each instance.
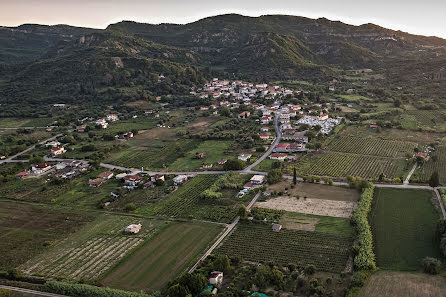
(186, 202)
(343, 164)
(426, 119)
(307, 222)
(163, 257)
(321, 207)
(152, 154)
(257, 242)
(27, 230)
(436, 163)
(26, 122)
(316, 191)
(403, 225)
(214, 150)
(93, 250)
(371, 146)
(403, 284)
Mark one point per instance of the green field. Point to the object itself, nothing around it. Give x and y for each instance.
(161, 258)
(257, 243)
(27, 122)
(93, 250)
(214, 150)
(27, 230)
(403, 224)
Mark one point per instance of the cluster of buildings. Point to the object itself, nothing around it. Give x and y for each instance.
(55, 148)
(255, 182)
(104, 121)
(327, 124)
(239, 90)
(65, 170)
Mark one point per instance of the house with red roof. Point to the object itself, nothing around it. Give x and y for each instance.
(106, 175)
(278, 156)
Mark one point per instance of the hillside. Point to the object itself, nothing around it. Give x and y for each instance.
(100, 68)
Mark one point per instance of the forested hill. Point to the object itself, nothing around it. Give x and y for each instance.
(48, 64)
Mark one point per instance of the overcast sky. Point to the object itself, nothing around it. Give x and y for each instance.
(419, 17)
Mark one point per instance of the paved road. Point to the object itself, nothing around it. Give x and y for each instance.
(270, 150)
(33, 292)
(10, 159)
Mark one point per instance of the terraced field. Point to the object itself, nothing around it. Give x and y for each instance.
(258, 243)
(92, 251)
(371, 146)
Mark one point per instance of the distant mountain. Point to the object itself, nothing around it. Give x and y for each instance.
(29, 42)
(46, 64)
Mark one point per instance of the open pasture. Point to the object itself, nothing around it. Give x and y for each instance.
(371, 146)
(91, 251)
(163, 257)
(27, 230)
(257, 243)
(403, 284)
(214, 150)
(403, 224)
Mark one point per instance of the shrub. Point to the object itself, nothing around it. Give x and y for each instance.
(130, 207)
(365, 259)
(82, 290)
(431, 265)
(310, 269)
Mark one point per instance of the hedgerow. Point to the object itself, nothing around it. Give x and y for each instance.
(365, 259)
(83, 290)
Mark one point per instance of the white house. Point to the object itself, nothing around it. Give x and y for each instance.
(56, 151)
(133, 228)
(257, 179)
(244, 157)
(216, 278)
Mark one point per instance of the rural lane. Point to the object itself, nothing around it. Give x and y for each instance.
(33, 292)
(10, 159)
(228, 230)
(407, 180)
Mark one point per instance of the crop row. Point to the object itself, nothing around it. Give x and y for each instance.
(427, 117)
(181, 202)
(343, 164)
(258, 243)
(371, 146)
(424, 173)
(88, 260)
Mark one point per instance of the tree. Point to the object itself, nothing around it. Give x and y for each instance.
(194, 282)
(274, 176)
(434, 181)
(431, 265)
(294, 176)
(443, 245)
(222, 263)
(397, 102)
(234, 165)
(224, 112)
(243, 212)
(178, 291)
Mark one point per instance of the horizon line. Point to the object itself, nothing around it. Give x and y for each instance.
(197, 19)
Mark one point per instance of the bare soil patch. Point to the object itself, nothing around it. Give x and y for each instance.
(202, 124)
(316, 191)
(321, 207)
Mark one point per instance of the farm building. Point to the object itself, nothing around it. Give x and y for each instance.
(277, 227)
(133, 228)
(216, 278)
(278, 156)
(22, 174)
(180, 179)
(244, 157)
(156, 177)
(222, 161)
(56, 151)
(40, 168)
(94, 183)
(106, 175)
(257, 179)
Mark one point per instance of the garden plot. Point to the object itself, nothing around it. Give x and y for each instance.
(92, 251)
(321, 207)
